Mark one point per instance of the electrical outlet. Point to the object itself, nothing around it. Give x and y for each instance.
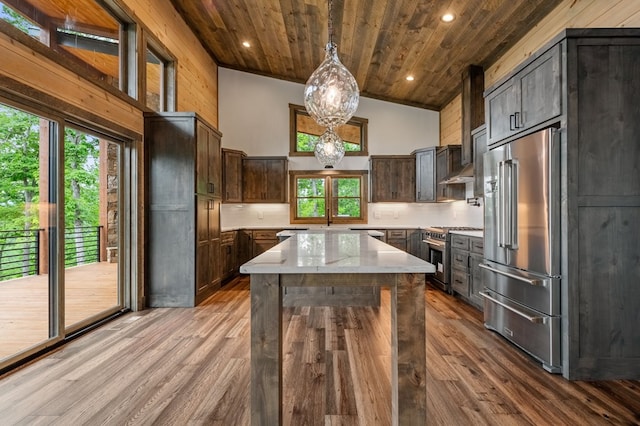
(376, 214)
(395, 214)
(260, 215)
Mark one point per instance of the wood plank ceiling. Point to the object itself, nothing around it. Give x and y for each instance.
(380, 41)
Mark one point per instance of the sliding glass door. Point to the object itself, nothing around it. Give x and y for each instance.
(60, 231)
(25, 220)
(91, 237)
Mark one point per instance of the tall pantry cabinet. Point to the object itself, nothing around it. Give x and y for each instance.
(183, 216)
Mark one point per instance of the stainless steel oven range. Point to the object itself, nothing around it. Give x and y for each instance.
(437, 251)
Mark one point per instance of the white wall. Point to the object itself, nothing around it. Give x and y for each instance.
(254, 118)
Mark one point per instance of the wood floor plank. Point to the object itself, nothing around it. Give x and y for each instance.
(191, 366)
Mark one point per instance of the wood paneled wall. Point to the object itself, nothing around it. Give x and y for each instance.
(569, 14)
(31, 69)
(451, 122)
(197, 73)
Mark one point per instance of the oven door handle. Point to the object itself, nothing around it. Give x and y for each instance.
(433, 242)
(514, 276)
(534, 319)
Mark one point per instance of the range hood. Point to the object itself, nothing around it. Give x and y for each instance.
(472, 117)
(463, 175)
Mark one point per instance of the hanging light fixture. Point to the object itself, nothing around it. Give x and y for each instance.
(331, 97)
(329, 149)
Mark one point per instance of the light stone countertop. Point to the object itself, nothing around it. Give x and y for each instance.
(335, 251)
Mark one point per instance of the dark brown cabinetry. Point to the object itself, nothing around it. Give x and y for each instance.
(426, 175)
(263, 240)
(183, 215)
(397, 238)
(264, 180)
(528, 98)
(479, 138)
(472, 109)
(393, 178)
(466, 275)
(448, 163)
(232, 175)
(245, 246)
(229, 254)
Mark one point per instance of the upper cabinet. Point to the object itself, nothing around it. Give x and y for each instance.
(209, 174)
(232, 175)
(426, 175)
(393, 178)
(264, 180)
(433, 166)
(530, 97)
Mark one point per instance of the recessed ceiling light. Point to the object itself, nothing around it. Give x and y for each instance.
(246, 44)
(410, 78)
(448, 17)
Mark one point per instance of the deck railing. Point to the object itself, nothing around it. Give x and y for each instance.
(19, 253)
(20, 250)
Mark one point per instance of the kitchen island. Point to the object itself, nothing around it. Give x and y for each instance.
(338, 258)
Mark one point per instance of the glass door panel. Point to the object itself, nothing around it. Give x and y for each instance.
(25, 222)
(91, 236)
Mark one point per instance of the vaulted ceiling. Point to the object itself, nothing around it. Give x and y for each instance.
(380, 41)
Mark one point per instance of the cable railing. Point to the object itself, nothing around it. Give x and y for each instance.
(19, 253)
(20, 250)
(81, 245)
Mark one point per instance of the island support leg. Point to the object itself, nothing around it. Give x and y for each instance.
(266, 350)
(408, 369)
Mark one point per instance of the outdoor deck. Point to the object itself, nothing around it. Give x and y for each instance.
(24, 303)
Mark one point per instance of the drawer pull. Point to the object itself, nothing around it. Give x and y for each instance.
(534, 319)
(515, 277)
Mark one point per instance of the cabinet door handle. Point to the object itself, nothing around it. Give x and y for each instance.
(516, 119)
(512, 121)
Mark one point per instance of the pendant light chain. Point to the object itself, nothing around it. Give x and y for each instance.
(331, 97)
(330, 22)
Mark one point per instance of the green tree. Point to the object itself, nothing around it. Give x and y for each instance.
(81, 158)
(19, 169)
(19, 176)
(20, 181)
(17, 20)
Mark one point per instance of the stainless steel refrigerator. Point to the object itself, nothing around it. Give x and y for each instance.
(521, 270)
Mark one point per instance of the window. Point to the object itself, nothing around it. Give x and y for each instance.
(159, 78)
(88, 36)
(305, 132)
(328, 197)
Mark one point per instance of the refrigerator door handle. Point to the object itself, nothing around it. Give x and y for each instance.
(534, 319)
(512, 204)
(514, 276)
(501, 210)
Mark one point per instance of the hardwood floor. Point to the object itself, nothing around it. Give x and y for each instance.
(24, 303)
(191, 366)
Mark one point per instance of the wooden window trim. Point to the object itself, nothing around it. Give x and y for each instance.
(328, 175)
(294, 110)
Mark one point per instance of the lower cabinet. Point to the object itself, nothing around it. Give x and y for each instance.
(263, 240)
(466, 275)
(397, 238)
(228, 254)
